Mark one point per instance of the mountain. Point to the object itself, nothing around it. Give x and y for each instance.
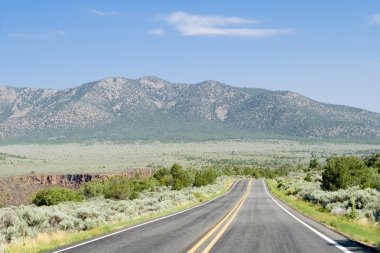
(148, 108)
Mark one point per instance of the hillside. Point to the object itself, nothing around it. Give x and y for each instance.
(149, 108)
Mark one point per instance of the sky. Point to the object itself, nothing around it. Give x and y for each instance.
(328, 50)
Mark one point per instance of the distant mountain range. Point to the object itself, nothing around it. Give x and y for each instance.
(149, 108)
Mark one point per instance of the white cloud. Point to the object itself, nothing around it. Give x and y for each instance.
(157, 32)
(198, 25)
(47, 34)
(183, 19)
(100, 13)
(375, 19)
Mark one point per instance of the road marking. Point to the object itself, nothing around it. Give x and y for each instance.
(329, 240)
(221, 232)
(145, 223)
(216, 226)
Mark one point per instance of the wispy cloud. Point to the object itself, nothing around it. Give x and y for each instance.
(375, 19)
(157, 32)
(47, 34)
(198, 25)
(101, 13)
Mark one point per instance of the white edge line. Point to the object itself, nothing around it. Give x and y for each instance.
(331, 241)
(145, 223)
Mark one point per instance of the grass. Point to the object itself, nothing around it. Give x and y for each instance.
(48, 241)
(359, 230)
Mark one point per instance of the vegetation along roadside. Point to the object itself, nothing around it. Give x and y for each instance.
(60, 216)
(344, 195)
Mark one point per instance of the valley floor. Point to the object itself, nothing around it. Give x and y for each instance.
(108, 157)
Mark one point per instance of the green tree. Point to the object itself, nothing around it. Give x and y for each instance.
(343, 172)
(205, 177)
(181, 178)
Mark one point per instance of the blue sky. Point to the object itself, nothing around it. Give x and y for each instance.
(328, 50)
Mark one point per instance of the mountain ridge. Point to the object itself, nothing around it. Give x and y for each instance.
(150, 108)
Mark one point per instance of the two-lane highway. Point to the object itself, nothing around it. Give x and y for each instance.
(247, 219)
(266, 225)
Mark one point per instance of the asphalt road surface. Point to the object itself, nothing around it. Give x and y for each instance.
(246, 219)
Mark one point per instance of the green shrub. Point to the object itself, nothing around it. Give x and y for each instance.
(200, 179)
(205, 177)
(92, 189)
(55, 195)
(118, 187)
(199, 196)
(147, 183)
(308, 178)
(314, 163)
(181, 178)
(373, 161)
(282, 171)
(344, 172)
(161, 173)
(352, 202)
(291, 191)
(375, 182)
(167, 180)
(353, 215)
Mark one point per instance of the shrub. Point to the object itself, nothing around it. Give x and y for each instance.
(375, 179)
(199, 196)
(148, 183)
(118, 187)
(308, 178)
(205, 177)
(314, 163)
(353, 214)
(181, 178)
(35, 219)
(344, 172)
(373, 161)
(16, 222)
(55, 195)
(352, 202)
(93, 189)
(167, 180)
(161, 173)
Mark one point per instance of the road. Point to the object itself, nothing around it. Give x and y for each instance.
(247, 219)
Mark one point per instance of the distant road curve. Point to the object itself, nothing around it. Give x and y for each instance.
(246, 219)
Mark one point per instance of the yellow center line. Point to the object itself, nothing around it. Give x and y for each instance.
(212, 231)
(224, 228)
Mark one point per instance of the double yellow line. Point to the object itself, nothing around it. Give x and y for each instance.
(231, 214)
